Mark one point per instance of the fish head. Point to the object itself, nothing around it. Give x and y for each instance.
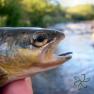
(30, 51)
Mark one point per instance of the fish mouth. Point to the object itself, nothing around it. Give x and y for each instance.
(49, 59)
(65, 54)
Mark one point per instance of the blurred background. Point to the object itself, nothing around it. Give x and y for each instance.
(73, 17)
(44, 12)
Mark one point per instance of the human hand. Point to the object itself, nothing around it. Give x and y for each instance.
(22, 86)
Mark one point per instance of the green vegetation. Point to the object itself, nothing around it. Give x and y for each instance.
(40, 13)
(81, 12)
(29, 13)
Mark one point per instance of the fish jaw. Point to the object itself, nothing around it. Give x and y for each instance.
(49, 60)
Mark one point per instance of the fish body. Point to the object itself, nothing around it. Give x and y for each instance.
(27, 51)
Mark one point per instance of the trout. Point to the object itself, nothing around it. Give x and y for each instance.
(25, 51)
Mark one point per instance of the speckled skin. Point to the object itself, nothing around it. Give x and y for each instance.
(20, 57)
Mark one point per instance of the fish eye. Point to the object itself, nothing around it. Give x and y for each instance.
(40, 39)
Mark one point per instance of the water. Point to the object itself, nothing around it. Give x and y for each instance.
(75, 76)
